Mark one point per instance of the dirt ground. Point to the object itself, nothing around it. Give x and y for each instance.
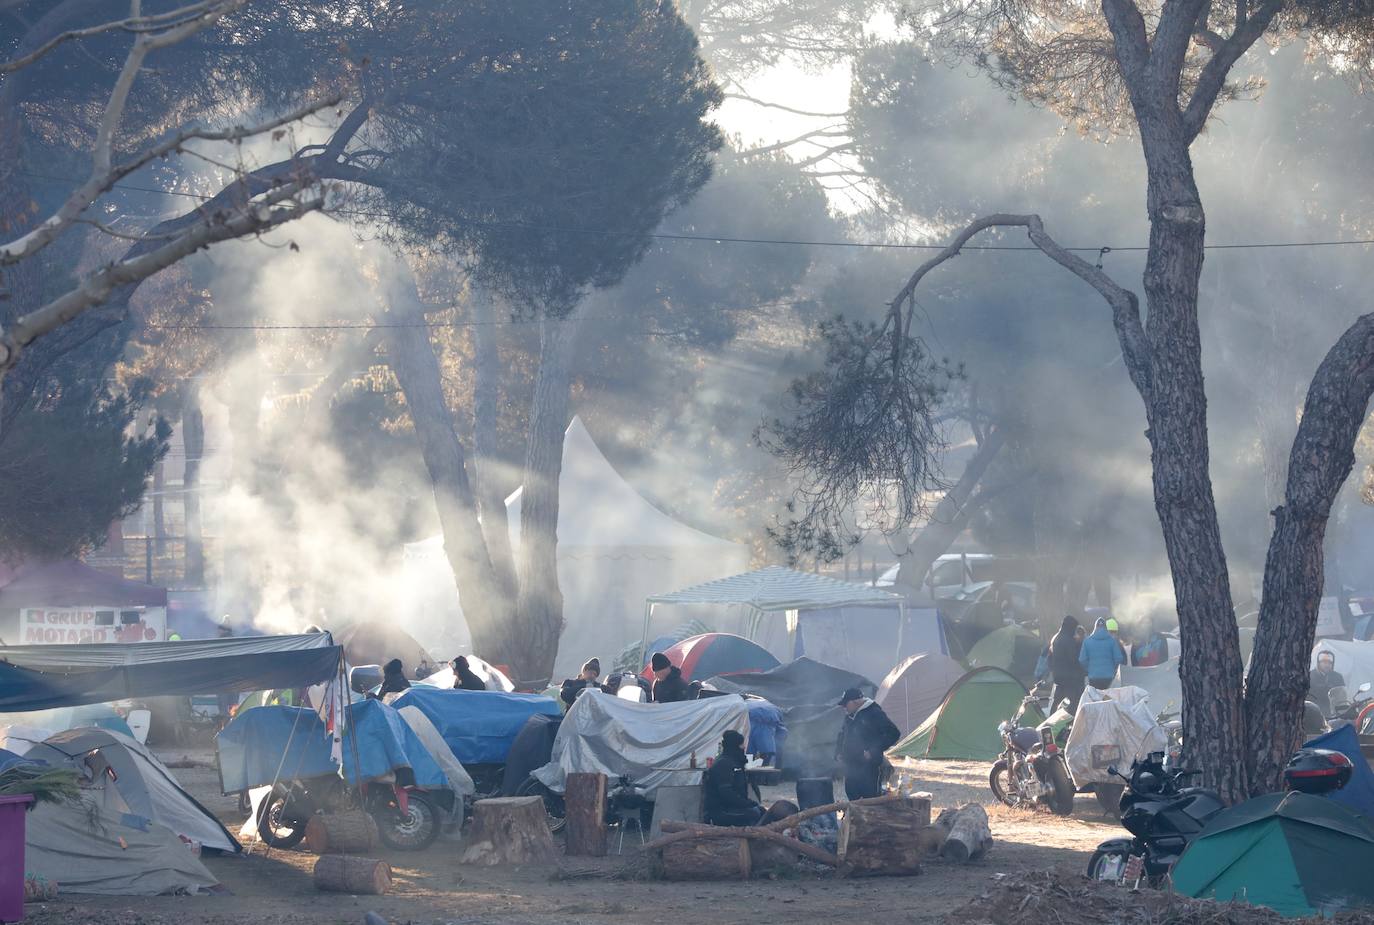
(432, 887)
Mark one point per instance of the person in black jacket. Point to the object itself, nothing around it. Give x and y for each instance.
(726, 800)
(573, 687)
(866, 734)
(464, 678)
(1069, 675)
(393, 679)
(669, 685)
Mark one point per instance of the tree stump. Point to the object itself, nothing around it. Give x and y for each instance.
(884, 839)
(585, 799)
(707, 859)
(341, 833)
(967, 833)
(509, 830)
(340, 873)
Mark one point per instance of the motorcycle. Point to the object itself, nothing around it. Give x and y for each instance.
(1031, 770)
(408, 819)
(1164, 816)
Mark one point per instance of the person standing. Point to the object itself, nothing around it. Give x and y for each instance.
(866, 734)
(669, 685)
(1069, 676)
(1100, 655)
(573, 687)
(464, 678)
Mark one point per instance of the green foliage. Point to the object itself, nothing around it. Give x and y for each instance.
(69, 467)
(46, 785)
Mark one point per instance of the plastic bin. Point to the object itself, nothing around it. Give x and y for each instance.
(12, 811)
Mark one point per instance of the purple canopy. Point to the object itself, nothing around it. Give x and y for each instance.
(69, 583)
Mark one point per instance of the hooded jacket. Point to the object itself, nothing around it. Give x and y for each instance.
(1064, 651)
(672, 688)
(1101, 654)
(727, 788)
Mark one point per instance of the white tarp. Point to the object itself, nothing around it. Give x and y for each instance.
(1112, 727)
(651, 743)
(1161, 682)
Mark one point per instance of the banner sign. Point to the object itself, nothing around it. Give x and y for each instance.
(70, 625)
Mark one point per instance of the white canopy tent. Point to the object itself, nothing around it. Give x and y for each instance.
(614, 547)
(776, 589)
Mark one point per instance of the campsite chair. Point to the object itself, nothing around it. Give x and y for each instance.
(626, 803)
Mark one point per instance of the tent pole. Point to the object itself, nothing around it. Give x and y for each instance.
(901, 630)
(644, 638)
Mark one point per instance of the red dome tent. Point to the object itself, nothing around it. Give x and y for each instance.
(712, 654)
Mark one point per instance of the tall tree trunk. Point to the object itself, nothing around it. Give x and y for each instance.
(541, 600)
(1321, 460)
(193, 440)
(487, 610)
(486, 421)
(1176, 411)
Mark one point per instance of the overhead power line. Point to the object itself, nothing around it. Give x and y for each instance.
(788, 242)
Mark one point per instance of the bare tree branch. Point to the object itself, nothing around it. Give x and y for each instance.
(1212, 81)
(135, 24)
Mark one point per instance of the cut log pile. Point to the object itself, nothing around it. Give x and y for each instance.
(884, 836)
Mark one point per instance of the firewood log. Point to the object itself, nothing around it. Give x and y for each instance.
(509, 830)
(884, 839)
(968, 836)
(707, 859)
(585, 798)
(341, 833)
(340, 873)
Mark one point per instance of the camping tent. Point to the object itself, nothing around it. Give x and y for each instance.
(651, 743)
(614, 548)
(965, 723)
(710, 654)
(69, 602)
(45, 677)
(123, 777)
(373, 642)
(808, 693)
(867, 640)
(91, 849)
(1358, 795)
(1014, 649)
(774, 591)
(1160, 682)
(1295, 853)
(913, 689)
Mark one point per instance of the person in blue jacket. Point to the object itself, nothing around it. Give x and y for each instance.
(1100, 655)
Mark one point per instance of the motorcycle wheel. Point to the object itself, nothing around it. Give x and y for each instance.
(999, 779)
(413, 830)
(1109, 797)
(1107, 866)
(272, 829)
(554, 809)
(1061, 797)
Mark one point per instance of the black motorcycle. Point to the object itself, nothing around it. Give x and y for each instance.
(1164, 816)
(407, 817)
(1031, 771)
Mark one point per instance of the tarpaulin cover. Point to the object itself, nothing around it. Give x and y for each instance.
(479, 726)
(651, 743)
(1359, 793)
(774, 588)
(44, 677)
(69, 583)
(808, 693)
(1161, 682)
(267, 744)
(1111, 727)
(531, 750)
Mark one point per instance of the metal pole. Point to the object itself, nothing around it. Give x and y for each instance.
(148, 559)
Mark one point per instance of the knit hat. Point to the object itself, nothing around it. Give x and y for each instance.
(731, 739)
(659, 661)
(592, 665)
(1112, 625)
(852, 693)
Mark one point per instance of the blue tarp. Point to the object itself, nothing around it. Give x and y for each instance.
(265, 744)
(479, 726)
(1358, 795)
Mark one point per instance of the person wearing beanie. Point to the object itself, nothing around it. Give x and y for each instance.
(393, 678)
(867, 733)
(726, 799)
(669, 685)
(573, 687)
(464, 678)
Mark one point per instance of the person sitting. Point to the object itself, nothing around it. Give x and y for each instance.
(669, 685)
(393, 679)
(726, 799)
(464, 678)
(1323, 679)
(573, 687)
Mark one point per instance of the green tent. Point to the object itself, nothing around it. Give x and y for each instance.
(1014, 649)
(965, 723)
(1295, 853)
